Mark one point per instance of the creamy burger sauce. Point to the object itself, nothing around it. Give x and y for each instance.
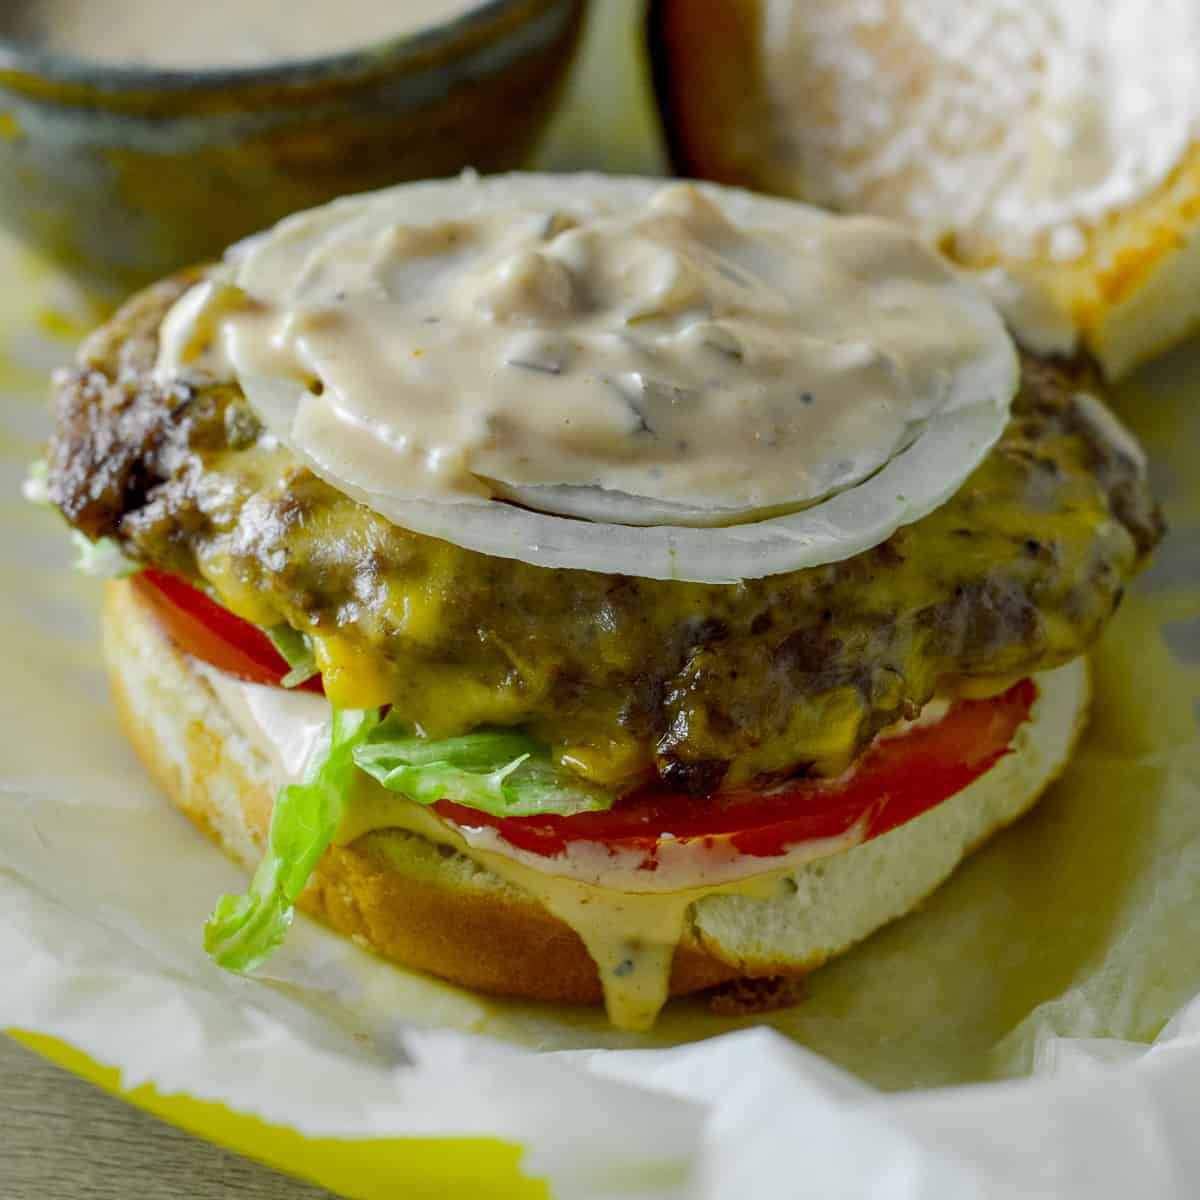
(630, 931)
(572, 346)
(213, 33)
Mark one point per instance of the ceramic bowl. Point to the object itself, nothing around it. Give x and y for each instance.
(126, 173)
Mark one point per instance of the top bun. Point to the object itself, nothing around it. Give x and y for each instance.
(1049, 149)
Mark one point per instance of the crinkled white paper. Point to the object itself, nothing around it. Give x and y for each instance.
(1033, 1032)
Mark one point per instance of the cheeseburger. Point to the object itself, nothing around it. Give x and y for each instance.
(589, 588)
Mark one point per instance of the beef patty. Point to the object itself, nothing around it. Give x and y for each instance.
(621, 676)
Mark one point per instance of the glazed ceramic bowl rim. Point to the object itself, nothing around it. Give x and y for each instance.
(70, 69)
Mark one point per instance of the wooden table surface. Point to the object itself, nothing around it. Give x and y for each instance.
(63, 1139)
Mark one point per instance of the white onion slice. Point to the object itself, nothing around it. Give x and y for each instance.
(959, 405)
(623, 508)
(911, 485)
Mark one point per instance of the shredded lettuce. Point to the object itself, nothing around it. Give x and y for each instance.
(101, 559)
(296, 650)
(503, 772)
(36, 488)
(243, 931)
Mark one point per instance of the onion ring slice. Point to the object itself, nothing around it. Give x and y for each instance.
(911, 485)
(564, 522)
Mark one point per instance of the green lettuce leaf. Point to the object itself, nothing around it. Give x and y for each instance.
(243, 931)
(503, 772)
(102, 559)
(296, 650)
(36, 488)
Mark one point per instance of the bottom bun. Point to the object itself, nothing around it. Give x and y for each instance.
(427, 906)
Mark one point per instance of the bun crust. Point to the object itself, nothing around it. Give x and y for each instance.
(1132, 294)
(429, 907)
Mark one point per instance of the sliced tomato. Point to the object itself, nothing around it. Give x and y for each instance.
(205, 630)
(898, 779)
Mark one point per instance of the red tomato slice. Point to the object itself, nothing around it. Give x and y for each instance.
(205, 630)
(898, 779)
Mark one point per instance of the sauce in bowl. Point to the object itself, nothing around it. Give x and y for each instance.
(191, 34)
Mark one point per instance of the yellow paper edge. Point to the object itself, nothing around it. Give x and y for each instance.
(374, 1169)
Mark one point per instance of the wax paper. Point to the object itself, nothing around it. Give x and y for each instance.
(1032, 1031)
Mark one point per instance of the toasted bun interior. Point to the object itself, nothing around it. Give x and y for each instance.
(429, 907)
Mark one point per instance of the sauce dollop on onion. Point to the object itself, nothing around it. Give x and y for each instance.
(664, 380)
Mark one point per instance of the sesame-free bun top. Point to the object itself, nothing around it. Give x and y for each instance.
(1051, 147)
